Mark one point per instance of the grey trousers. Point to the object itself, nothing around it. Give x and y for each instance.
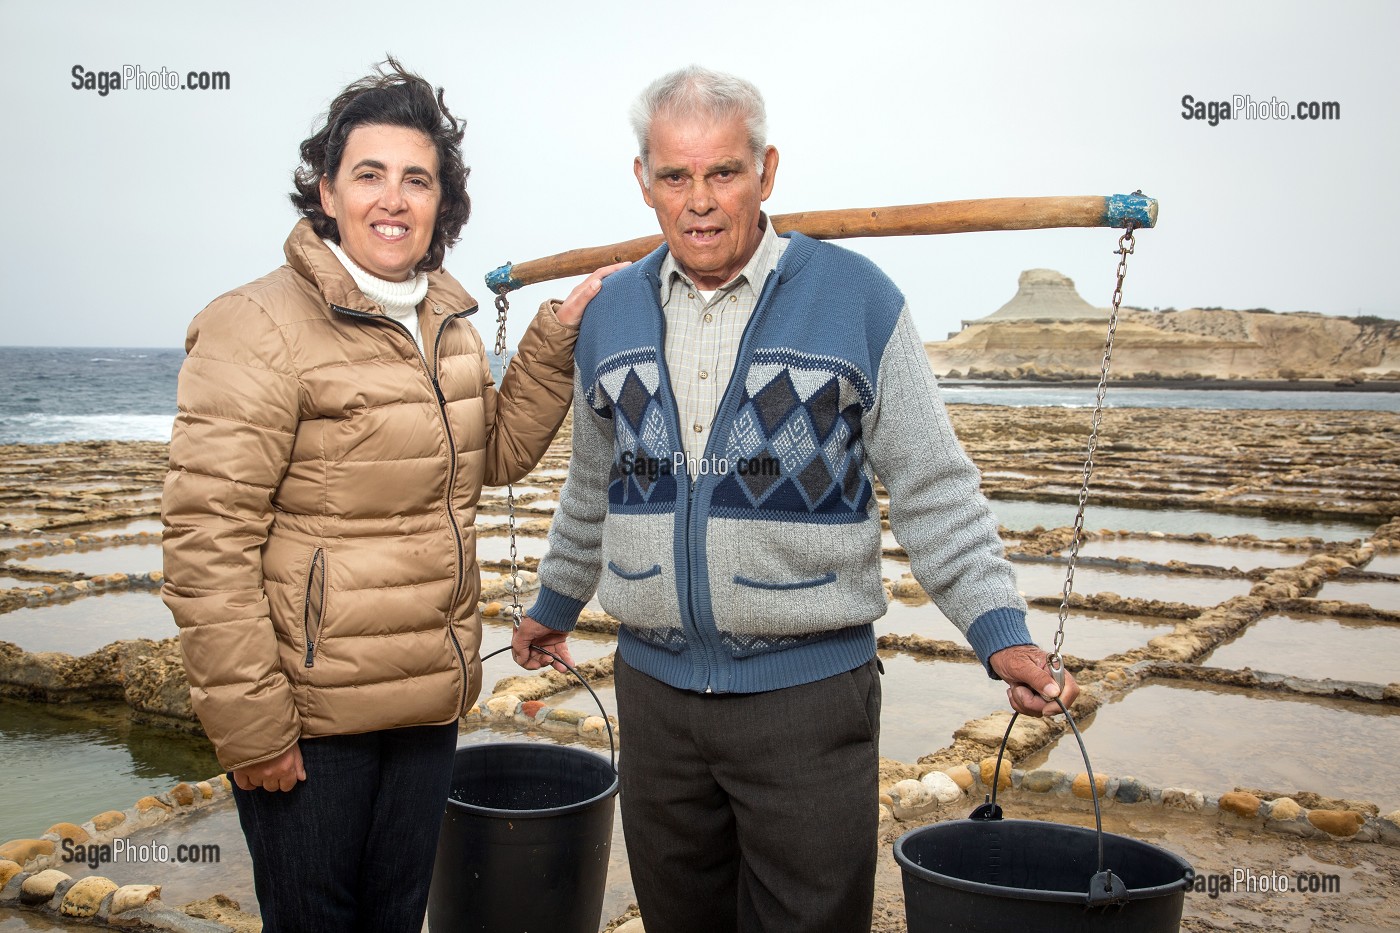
(751, 812)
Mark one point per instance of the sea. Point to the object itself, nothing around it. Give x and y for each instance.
(53, 394)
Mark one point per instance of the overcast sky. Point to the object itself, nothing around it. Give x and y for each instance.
(126, 213)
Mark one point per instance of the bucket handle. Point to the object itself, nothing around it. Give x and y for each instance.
(1105, 888)
(612, 740)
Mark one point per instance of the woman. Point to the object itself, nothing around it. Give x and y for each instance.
(337, 419)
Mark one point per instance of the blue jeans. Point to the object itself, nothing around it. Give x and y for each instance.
(351, 847)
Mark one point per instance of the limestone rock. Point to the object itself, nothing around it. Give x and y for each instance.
(1178, 798)
(503, 706)
(182, 794)
(941, 787)
(107, 819)
(910, 795)
(8, 869)
(595, 726)
(1337, 822)
(154, 682)
(39, 887)
(1131, 790)
(68, 831)
(1285, 809)
(1240, 804)
(1040, 781)
(631, 926)
(960, 776)
(989, 768)
(1082, 789)
(86, 895)
(23, 850)
(132, 896)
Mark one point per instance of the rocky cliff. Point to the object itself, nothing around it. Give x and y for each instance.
(1043, 333)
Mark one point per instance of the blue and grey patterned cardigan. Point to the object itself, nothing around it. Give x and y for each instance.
(757, 566)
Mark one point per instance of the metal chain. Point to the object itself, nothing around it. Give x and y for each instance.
(502, 307)
(1125, 249)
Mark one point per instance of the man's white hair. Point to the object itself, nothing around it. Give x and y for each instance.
(699, 92)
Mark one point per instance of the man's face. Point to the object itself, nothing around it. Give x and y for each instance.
(707, 193)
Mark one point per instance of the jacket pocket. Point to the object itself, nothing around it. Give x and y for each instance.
(314, 607)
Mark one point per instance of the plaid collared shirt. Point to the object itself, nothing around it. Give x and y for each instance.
(702, 337)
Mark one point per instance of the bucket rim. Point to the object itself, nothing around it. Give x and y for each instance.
(545, 812)
(1031, 894)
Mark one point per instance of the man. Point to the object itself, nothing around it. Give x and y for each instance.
(737, 394)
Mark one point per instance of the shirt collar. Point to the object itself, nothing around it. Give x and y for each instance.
(755, 272)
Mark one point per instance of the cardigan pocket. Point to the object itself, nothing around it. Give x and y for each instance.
(823, 580)
(645, 601)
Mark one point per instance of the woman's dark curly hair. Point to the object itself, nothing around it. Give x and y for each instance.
(390, 97)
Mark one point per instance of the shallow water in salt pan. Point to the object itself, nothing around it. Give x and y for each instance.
(73, 762)
(923, 701)
(125, 558)
(1315, 647)
(1378, 594)
(83, 625)
(1048, 579)
(1384, 563)
(497, 547)
(1022, 514)
(1210, 555)
(1093, 636)
(1214, 739)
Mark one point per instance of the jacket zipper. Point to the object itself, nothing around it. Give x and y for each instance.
(431, 372)
(315, 588)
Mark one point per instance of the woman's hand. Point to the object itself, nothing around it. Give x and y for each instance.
(280, 773)
(571, 311)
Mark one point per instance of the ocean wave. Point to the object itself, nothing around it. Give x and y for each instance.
(51, 429)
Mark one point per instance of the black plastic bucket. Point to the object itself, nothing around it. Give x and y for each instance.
(986, 874)
(525, 840)
(983, 876)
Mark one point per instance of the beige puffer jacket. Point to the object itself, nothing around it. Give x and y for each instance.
(320, 549)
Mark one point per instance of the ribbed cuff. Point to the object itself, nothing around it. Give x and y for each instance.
(555, 610)
(995, 630)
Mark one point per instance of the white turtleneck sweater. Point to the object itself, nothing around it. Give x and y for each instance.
(399, 300)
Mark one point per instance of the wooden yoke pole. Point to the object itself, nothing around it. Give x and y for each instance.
(903, 220)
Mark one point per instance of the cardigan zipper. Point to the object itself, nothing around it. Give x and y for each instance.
(431, 372)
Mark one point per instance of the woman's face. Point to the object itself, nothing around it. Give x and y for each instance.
(385, 199)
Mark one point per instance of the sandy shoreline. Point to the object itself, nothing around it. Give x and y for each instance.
(1237, 385)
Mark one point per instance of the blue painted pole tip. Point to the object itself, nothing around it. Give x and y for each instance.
(1137, 208)
(501, 281)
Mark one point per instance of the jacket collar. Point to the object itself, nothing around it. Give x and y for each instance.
(308, 256)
